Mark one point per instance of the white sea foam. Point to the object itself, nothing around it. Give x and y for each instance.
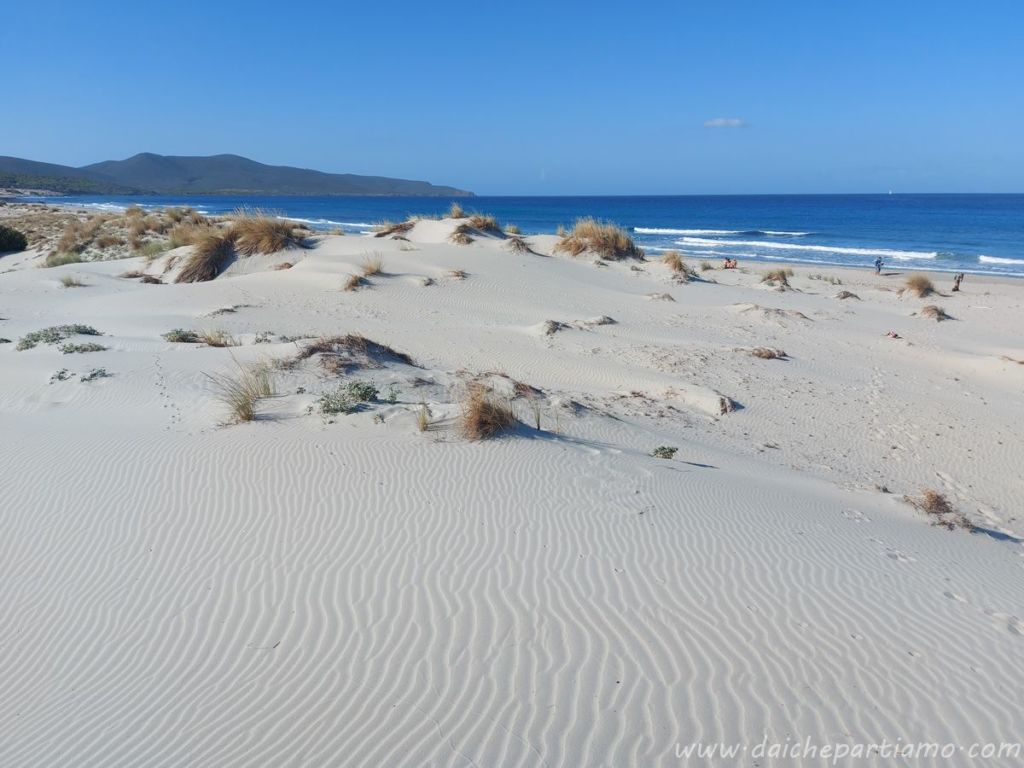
(670, 231)
(883, 252)
(999, 260)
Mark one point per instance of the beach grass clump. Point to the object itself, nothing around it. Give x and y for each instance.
(484, 415)
(484, 222)
(372, 264)
(217, 338)
(211, 251)
(11, 240)
(455, 212)
(461, 235)
(607, 240)
(664, 452)
(149, 249)
(919, 285)
(682, 271)
(847, 295)
(768, 353)
(385, 228)
(181, 336)
(69, 281)
(354, 282)
(934, 312)
(937, 506)
(512, 229)
(517, 244)
(243, 388)
(423, 418)
(778, 276)
(54, 335)
(255, 231)
(347, 397)
(706, 266)
(338, 353)
(69, 349)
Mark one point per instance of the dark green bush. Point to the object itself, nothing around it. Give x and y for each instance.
(11, 240)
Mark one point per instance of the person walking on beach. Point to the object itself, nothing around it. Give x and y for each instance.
(878, 265)
(956, 280)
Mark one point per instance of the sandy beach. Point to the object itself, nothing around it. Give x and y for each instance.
(374, 588)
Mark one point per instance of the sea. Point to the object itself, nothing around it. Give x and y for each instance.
(979, 233)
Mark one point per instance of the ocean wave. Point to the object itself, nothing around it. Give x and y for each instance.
(883, 252)
(723, 232)
(999, 260)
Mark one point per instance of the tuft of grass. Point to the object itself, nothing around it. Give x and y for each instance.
(768, 353)
(484, 222)
(937, 506)
(71, 282)
(664, 452)
(456, 212)
(461, 235)
(282, 265)
(512, 229)
(347, 398)
(456, 274)
(517, 244)
(240, 390)
(483, 415)
(354, 282)
(211, 249)
(68, 349)
(372, 264)
(780, 276)
(150, 249)
(673, 261)
(934, 312)
(706, 266)
(423, 418)
(605, 239)
(254, 231)
(847, 295)
(920, 285)
(386, 228)
(54, 335)
(181, 336)
(59, 259)
(217, 338)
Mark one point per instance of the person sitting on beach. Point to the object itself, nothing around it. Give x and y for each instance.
(729, 264)
(957, 278)
(878, 265)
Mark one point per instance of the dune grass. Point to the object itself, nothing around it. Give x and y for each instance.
(768, 353)
(455, 212)
(354, 282)
(607, 240)
(517, 244)
(512, 229)
(211, 249)
(70, 349)
(181, 336)
(385, 228)
(71, 282)
(54, 335)
(919, 285)
(242, 389)
(461, 235)
(372, 264)
(484, 222)
(255, 231)
(483, 415)
(780, 276)
(217, 338)
(934, 312)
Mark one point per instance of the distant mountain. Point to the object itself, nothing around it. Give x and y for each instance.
(147, 173)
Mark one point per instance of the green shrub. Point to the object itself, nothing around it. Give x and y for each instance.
(69, 349)
(54, 335)
(181, 336)
(664, 452)
(347, 397)
(11, 240)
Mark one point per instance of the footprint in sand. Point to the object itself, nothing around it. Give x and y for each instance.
(895, 554)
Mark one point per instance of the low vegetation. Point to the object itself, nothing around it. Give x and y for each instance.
(69, 349)
(706, 266)
(456, 212)
(512, 229)
(484, 222)
(461, 235)
(605, 239)
(211, 251)
(346, 398)
(682, 271)
(664, 452)
(217, 338)
(847, 295)
(934, 312)
(919, 285)
(354, 282)
(181, 336)
(777, 276)
(517, 244)
(11, 240)
(54, 335)
(256, 232)
(938, 507)
(341, 353)
(71, 282)
(484, 415)
(386, 228)
(768, 353)
(372, 264)
(242, 389)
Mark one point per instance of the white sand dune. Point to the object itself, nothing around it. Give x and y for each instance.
(306, 591)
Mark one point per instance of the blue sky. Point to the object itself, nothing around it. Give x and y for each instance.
(536, 98)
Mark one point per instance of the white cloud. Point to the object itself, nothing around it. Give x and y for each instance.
(724, 122)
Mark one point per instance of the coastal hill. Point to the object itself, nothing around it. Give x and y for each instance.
(148, 173)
